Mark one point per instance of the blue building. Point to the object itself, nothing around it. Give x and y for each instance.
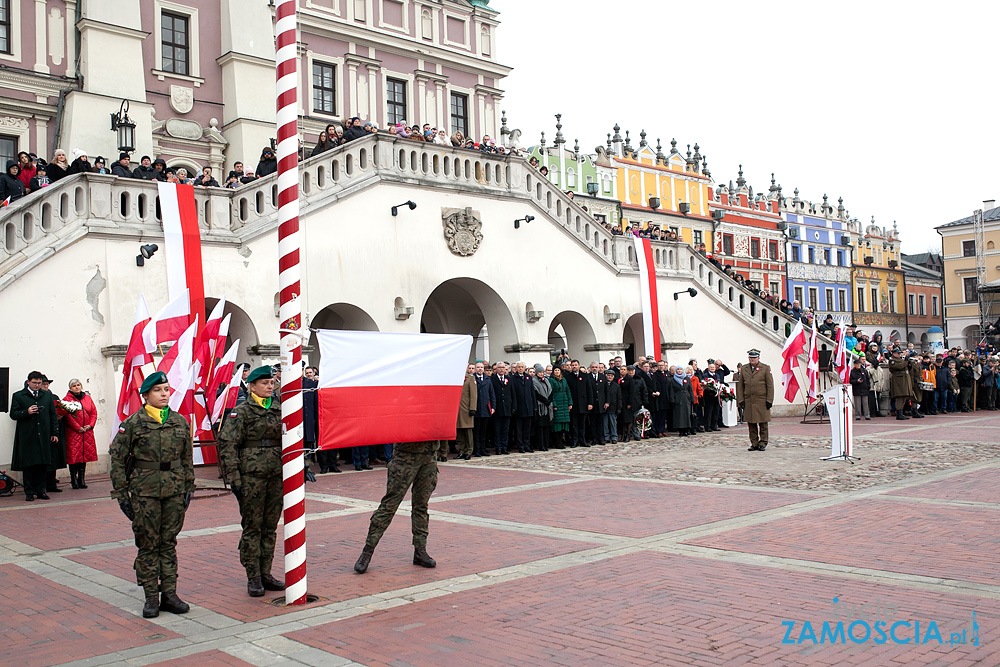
(818, 255)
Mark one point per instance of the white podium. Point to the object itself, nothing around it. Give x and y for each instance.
(730, 413)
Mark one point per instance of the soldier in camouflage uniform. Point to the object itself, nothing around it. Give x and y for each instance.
(154, 492)
(413, 465)
(250, 455)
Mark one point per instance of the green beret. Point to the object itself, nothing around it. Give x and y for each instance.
(159, 377)
(262, 373)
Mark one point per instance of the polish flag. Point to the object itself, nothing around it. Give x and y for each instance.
(208, 347)
(812, 369)
(168, 324)
(182, 241)
(795, 345)
(225, 370)
(136, 356)
(377, 388)
(177, 364)
(648, 297)
(842, 358)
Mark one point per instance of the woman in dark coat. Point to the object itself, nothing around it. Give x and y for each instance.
(59, 166)
(10, 185)
(81, 447)
(322, 145)
(681, 400)
(660, 399)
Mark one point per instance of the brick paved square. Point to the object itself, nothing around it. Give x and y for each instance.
(205, 659)
(210, 573)
(618, 507)
(653, 609)
(912, 538)
(45, 623)
(452, 479)
(981, 486)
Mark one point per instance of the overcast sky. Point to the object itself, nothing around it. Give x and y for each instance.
(884, 103)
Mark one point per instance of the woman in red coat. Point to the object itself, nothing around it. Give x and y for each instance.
(80, 444)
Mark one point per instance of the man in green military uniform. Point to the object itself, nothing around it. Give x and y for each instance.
(413, 465)
(152, 474)
(916, 377)
(250, 455)
(900, 383)
(755, 395)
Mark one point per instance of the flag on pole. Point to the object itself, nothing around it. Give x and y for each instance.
(136, 356)
(842, 358)
(182, 241)
(648, 297)
(177, 364)
(168, 324)
(812, 369)
(226, 370)
(409, 391)
(207, 347)
(794, 346)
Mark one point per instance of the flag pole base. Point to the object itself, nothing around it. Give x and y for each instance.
(842, 457)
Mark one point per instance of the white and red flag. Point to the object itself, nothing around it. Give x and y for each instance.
(842, 358)
(168, 324)
(795, 345)
(177, 364)
(136, 356)
(182, 240)
(812, 368)
(648, 297)
(377, 388)
(210, 342)
(226, 370)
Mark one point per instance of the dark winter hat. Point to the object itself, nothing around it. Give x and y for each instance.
(262, 373)
(124, 156)
(159, 377)
(144, 157)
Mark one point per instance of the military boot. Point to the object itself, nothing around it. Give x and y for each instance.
(271, 584)
(255, 588)
(421, 558)
(152, 607)
(170, 602)
(366, 557)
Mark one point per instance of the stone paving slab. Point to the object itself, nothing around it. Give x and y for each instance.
(982, 486)
(657, 609)
(45, 623)
(333, 546)
(617, 507)
(951, 542)
(204, 659)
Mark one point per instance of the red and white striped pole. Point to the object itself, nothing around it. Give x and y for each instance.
(290, 313)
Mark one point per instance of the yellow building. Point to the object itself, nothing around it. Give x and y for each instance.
(879, 290)
(961, 298)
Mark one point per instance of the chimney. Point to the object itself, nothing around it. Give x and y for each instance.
(989, 204)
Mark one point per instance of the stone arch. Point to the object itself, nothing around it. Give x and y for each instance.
(911, 337)
(925, 342)
(470, 306)
(634, 338)
(340, 316)
(971, 335)
(571, 330)
(241, 327)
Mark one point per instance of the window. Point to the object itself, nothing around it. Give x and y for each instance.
(840, 258)
(727, 244)
(968, 248)
(922, 303)
(860, 304)
(798, 295)
(842, 299)
(324, 88)
(774, 289)
(813, 298)
(969, 285)
(795, 253)
(911, 302)
(830, 305)
(812, 255)
(8, 148)
(175, 43)
(359, 10)
(601, 218)
(772, 250)
(755, 247)
(5, 23)
(934, 306)
(698, 236)
(460, 114)
(874, 299)
(826, 256)
(395, 97)
(892, 300)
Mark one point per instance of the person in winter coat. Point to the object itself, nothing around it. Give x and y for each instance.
(58, 167)
(755, 396)
(146, 171)
(41, 179)
(613, 397)
(698, 400)
(543, 410)
(966, 381)
(37, 428)
(27, 170)
(206, 179)
(81, 163)
(680, 395)
(503, 389)
(81, 448)
(11, 186)
(123, 168)
(900, 384)
(562, 405)
(633, 398)
(323, 144)
(268, 164)
(467, 405)
(860, 386)
(101, 166)
(486, 402)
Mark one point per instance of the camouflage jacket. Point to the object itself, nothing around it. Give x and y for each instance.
(165, 443)
(422, 447)
(250, 442)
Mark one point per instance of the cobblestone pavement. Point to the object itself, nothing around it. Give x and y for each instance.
(665, 552)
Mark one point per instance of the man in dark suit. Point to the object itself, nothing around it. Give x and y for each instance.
(326, 458)
(721, 371)
(486, 401)
(583, 403)
(504, 392)
(599, 389)
(524, 402)
(37, 428)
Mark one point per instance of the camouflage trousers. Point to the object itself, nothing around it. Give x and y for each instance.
(416, 469)
(260, 509)
(156, 525)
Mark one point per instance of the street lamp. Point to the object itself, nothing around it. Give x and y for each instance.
(690, 290)
(123, 125)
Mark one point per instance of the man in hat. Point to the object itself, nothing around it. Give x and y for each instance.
(36, 432)
(145, 170)
(250, 454)
(123, 167)
(828, 327)
(755, 395)
(900, 384)
(413, 465)
(152, 475)
(58, 460)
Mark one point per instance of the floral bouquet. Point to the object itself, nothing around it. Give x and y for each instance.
(710, 385)
(727, 393)
(70, 406)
